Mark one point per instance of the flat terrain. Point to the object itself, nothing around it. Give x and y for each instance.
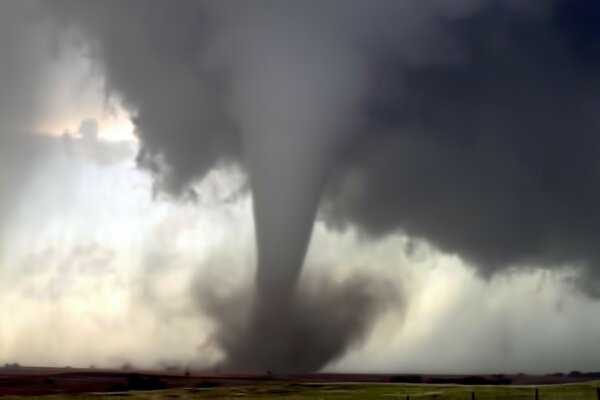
(75, 384)
(580, 391)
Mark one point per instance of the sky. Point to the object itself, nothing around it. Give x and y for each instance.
(431, 186)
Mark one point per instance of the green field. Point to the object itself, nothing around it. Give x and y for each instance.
(576, 391)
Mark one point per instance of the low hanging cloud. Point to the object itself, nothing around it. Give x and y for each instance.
(495, 157)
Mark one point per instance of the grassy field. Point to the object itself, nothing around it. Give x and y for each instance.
(576, 391)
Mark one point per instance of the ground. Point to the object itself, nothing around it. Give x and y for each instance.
(55, 384)
(578, 391)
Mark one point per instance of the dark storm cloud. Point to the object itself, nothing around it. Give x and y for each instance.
(496, 157)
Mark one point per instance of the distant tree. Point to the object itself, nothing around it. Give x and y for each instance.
(406, 379)
(501, 379)
(139, 382)
(118, 387)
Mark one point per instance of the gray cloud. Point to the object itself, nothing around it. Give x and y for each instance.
(20, 72)
(495, 158)
(151, 55)
(22, 53)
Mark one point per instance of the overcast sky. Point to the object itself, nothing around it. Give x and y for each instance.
(454, 165)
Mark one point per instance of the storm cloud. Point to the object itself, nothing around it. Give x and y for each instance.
(468, 124)
(494, 158)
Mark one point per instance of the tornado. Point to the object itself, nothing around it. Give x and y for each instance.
(288, 102)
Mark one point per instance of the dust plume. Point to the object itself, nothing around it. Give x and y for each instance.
(325, 319)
